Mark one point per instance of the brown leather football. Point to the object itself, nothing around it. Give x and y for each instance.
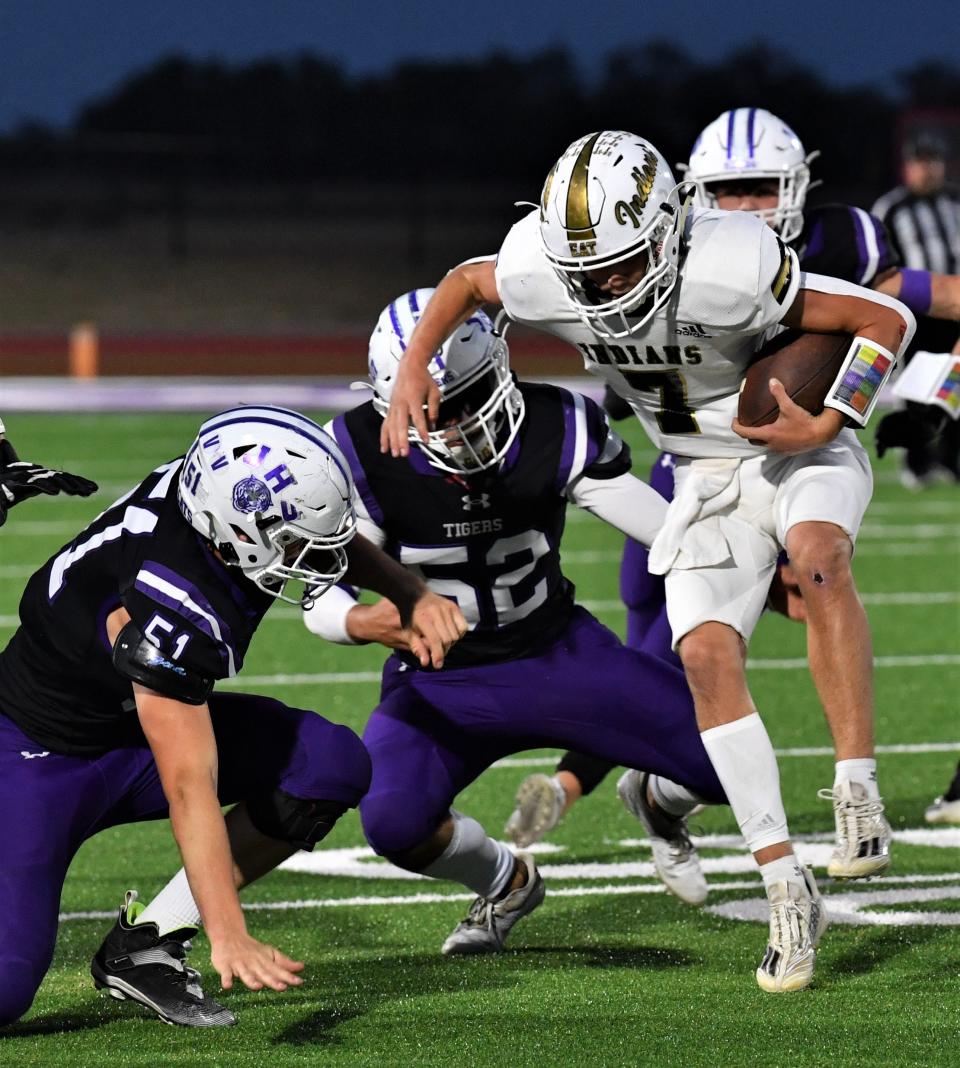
(806, 364)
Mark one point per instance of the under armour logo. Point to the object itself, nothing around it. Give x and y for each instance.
(469, 503)
(30, 756)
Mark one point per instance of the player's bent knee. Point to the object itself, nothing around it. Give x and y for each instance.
(820, 559)
(300, 821)
(17, 989)
(331, 761)
(396, 822)
(708, 650)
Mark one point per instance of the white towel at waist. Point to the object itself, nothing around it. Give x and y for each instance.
(708, 486)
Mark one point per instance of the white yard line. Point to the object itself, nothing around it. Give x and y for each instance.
(607, 890)
(325, 678)
(800, 751)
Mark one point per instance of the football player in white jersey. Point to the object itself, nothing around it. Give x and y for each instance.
(668, 305)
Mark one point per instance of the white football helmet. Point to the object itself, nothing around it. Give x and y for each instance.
(272, 492)
(753, 143)
(609, 197)
(481, 407)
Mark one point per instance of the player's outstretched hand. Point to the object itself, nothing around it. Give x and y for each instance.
(21, 480)
(254, 963)
(415, 399)
(436, 623)
(794, 430)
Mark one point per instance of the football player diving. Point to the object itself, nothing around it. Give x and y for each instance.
(20, 479)
(668, 304)
(478, 511)
(750, 160)
(108, 715)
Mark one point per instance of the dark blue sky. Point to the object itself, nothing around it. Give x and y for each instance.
(56, 55)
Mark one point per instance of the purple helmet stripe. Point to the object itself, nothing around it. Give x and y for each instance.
(731, 118)
(316, 439)
(751, 115)
(412, 301)
(394, 318)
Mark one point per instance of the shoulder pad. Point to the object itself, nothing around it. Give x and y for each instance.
(138, 659)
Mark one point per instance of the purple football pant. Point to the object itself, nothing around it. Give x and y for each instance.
(643, 593)
(54, 803)
(433, 733)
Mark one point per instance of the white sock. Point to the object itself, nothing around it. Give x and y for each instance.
(746, 765)
(474, 859)
(862, 770)
(671, 797)
(173, 907)
(783, 869)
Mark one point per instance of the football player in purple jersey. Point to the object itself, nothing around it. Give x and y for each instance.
(478, 512)
(108, 713)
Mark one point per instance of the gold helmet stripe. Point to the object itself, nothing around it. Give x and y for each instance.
(578, 208)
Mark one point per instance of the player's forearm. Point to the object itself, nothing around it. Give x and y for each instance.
(624, 502)
(821, 312)
(201, 836)
(371, 569)
(924, 292)
(465, 289)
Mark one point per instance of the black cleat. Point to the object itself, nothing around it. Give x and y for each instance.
(135, 963)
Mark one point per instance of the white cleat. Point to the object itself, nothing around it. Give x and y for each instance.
(797, 922)
(943, 811)
(539, 808)
(863, 834)
(488, 923)
(674, 855)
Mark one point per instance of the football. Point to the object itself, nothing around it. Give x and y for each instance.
(806, 364)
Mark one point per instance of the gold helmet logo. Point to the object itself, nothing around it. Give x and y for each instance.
(579, 227)
(645, 175)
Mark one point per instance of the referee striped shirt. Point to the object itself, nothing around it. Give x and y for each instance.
(924, 229)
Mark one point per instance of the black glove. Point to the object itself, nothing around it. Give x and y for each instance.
(20, 480)
(910, 429)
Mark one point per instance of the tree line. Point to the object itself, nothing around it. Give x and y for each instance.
(495, 119)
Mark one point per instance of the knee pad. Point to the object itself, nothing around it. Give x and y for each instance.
(301, 822)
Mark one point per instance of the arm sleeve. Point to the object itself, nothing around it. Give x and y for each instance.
(624, 502)
(328, 616)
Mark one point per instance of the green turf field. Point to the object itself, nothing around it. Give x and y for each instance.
(609, 971)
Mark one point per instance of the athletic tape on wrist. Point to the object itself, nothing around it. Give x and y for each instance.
(857, 386)
(916, 290)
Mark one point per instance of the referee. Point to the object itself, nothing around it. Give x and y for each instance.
(923, 219)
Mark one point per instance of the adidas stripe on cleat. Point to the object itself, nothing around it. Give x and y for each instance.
(863, 834)
(797, 922)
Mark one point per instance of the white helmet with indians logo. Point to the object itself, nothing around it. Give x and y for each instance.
(610, 197)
